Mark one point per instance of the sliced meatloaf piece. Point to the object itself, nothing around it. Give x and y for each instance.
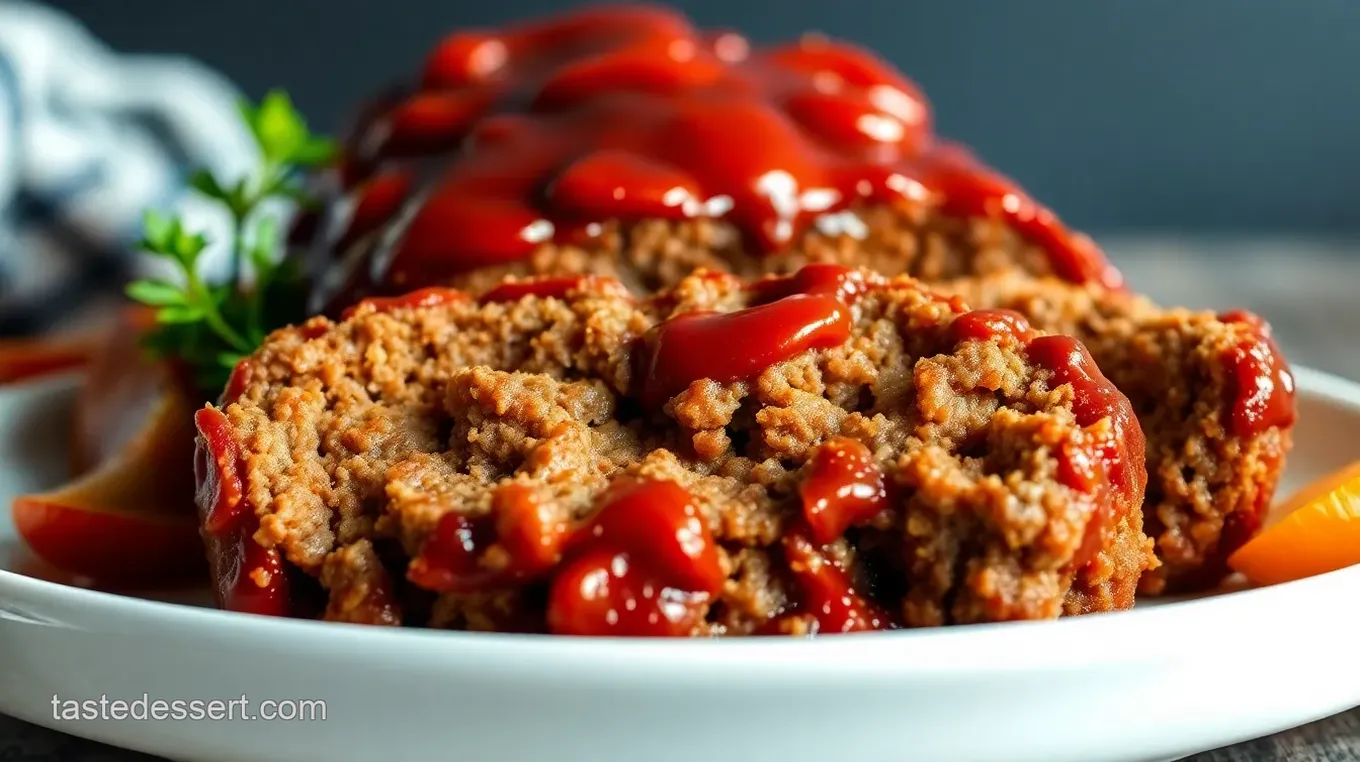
(1215, 400)
(823, 452)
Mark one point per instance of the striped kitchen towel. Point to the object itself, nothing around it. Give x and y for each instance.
(89, 139)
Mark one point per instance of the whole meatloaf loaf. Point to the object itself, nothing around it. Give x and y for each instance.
(821, 452)
(625, 142)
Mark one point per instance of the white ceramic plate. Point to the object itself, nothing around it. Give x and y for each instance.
(1156, 683)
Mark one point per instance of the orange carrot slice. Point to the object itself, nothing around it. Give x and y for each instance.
(1319, 532)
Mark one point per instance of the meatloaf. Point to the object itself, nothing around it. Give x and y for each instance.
(822, 452)
(625, 142)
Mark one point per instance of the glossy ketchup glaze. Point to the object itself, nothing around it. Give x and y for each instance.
(735, 346)
(825, 594)
(519, 541)
(550, 288)
(544, 288)
(433, 296)
(1120, 448)
(644, 565)
(986, 325)
(1263, 386)
(238, 381)
(248, 577)
(846, 284)
(539, 132)
(843, 487)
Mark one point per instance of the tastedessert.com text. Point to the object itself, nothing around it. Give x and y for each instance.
(151, 709)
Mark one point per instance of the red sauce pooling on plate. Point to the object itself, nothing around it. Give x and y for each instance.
(622, 113)
(844, 487)
(249, 577)
(1263, 384)
(645, 565)
(735, 346)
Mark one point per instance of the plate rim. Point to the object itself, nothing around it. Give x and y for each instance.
(1065, 644)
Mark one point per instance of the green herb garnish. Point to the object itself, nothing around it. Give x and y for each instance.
(209, 327)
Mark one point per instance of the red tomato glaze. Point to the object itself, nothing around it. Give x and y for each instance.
(536, 132)
(238, 381)
(826, 593)
(1120, 450)
(554, 288)
(248, 576)
(735, 346)
(844, 487)
(419, 299)
(519, 541)
(548, 288)
(985, 325)
(645, 565)
(837, 281)
(1263, 386)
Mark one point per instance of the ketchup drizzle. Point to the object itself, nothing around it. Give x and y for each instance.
(433, 296)
(517, 542)
(846, 284)
(985, 325)
(1121, 450)
(623, 113)
(826, 593)
(1263, 386)
(735, 346)
(250, 578)
(645, 565)
(1118, 469)
(844, 487)
(544, 288)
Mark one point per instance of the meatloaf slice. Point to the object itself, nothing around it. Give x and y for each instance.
(824, 452)
(1214, 397)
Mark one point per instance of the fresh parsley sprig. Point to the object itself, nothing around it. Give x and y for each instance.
(209, 327)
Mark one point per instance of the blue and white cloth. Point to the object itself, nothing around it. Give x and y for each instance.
(89, 139)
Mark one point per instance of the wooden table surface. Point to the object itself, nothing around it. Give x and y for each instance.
(1305, 288)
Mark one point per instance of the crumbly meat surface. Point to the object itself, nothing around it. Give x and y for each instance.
(357, 438)
(1208, 486)
(1205, 480)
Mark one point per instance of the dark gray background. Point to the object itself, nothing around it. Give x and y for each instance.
(1176, 115)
